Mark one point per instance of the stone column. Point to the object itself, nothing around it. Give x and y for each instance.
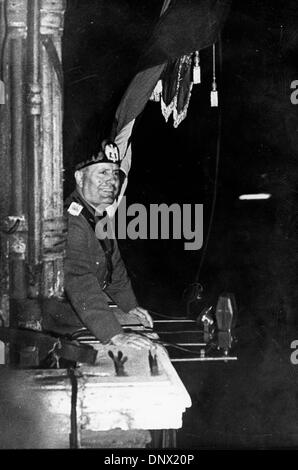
(14, 225)
(51, 30)
(32, 229)
(13, 207)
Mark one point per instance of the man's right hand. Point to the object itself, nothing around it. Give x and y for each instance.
(133, 340)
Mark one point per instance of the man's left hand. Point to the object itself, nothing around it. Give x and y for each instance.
(143, 316)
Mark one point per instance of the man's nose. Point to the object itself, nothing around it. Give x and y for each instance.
(111, 177)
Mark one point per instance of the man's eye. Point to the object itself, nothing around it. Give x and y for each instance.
(107, 172)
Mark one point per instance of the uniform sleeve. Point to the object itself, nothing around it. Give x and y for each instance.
(120, 289)
(82, 286)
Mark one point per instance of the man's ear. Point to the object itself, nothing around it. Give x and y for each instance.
(79, 178)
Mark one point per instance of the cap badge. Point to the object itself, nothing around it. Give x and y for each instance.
(111, 152)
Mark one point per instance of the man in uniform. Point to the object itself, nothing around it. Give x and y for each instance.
(95, 275)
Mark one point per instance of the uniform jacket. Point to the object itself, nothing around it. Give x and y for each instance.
(85, 271)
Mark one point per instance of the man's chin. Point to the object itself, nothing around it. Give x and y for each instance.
(108, 201)
(103, 205)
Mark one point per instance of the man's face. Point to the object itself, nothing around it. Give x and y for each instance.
(99, 183)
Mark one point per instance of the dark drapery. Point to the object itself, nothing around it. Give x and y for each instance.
(186, 26)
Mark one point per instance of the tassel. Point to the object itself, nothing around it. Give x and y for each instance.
(214, 92)
(157, 92)
(197, 69)
(214, 95)
(2, 92)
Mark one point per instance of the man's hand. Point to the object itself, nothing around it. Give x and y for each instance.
(143, 316)
(131, 339)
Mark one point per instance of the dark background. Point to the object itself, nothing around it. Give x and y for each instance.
(253, 250)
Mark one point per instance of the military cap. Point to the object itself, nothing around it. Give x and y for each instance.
(108, 153)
